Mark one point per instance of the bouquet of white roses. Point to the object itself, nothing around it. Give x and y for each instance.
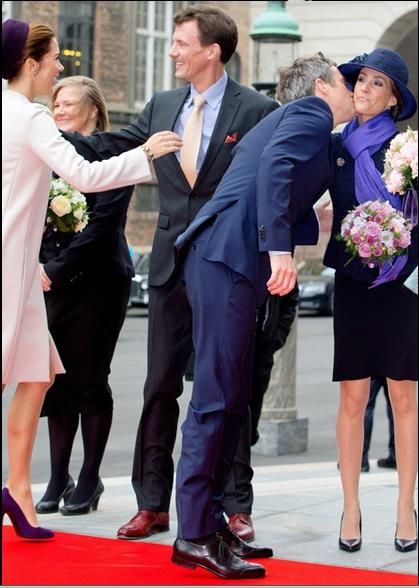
(375, 232)
(401, 162)
(67, 208)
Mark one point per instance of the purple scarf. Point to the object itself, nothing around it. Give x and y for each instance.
(362, 141)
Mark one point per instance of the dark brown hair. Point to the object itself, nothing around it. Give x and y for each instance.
(214, 25)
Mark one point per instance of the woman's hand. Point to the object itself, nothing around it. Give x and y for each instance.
(45, 281)
(324, 212)
(162, 143)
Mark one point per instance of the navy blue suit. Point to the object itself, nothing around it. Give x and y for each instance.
(279, 170)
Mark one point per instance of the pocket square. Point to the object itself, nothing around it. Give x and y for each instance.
(231, 138)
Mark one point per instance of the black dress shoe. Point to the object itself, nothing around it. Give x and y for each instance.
(214, 557)
(82, 508)
(241, 548)
(48, 506)
(387, 462)
(365, 466)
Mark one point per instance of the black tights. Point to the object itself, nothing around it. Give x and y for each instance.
(95, 430)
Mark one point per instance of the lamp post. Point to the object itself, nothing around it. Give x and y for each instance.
(275, 34)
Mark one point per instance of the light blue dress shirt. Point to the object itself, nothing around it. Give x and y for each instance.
(213, 98)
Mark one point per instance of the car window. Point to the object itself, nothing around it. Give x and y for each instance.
(143, 264)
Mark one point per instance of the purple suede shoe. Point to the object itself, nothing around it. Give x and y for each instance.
(20, 523)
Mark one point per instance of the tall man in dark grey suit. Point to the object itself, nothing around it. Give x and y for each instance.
(204, 40)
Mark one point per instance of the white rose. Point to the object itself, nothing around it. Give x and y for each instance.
(60, 205)
(78, 213)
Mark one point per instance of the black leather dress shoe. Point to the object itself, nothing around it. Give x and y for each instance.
(241, 548)
(387, 462)
(214, 557)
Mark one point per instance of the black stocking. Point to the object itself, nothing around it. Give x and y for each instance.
(95, 432)
(62, 430)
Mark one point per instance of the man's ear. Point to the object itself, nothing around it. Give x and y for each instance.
(321, 88)
(214, 51)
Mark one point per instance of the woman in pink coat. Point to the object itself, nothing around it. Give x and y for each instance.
(32, 147)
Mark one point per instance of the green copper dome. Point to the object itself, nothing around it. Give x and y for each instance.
(275, 25)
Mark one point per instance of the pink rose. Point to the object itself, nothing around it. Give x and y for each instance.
(364, 250)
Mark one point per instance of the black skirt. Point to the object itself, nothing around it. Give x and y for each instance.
(84, 319)
(376, 331)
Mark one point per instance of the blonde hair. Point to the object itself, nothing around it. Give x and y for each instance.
(92, 95)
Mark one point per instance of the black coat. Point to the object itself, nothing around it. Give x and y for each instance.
(91, 275)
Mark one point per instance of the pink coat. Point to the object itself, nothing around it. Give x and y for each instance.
(32, 147)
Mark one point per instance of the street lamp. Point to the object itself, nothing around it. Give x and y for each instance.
(275, 33)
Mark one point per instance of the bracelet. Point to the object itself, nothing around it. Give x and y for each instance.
(148, 152)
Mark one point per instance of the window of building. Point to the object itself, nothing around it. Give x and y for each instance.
(6, 10)
(153, 66)
(76, 35)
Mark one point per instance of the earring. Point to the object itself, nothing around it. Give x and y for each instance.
(35, 73)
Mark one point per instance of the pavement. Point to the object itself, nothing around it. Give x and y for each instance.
(297, 512)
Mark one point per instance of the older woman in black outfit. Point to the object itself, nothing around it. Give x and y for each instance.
(90, 274)
(375, 320)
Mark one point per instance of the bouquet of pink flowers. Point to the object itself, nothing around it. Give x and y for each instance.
(375, 232)
(401, 162)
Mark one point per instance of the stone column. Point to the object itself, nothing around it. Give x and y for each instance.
(280, 431)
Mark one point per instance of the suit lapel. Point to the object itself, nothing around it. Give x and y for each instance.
(228, 110)
(167, 120)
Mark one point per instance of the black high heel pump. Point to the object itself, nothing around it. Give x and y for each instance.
(405, 545)
(48, 506)
(351, 545)
(81, 508)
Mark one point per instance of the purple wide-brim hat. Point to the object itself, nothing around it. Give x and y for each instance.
(14, 34)
(392, 65)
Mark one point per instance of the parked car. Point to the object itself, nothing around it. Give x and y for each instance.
(139, 288)
(316, 285)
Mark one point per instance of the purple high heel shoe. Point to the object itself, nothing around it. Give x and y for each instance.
(20, 522)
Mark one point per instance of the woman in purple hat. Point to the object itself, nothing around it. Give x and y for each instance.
(32, 147)
(375, 314)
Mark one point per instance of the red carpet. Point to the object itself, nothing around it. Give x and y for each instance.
(74, 560)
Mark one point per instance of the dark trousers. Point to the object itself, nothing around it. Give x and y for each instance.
(375, 387)
(239, 490)
(224, 310)
(169, 347)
